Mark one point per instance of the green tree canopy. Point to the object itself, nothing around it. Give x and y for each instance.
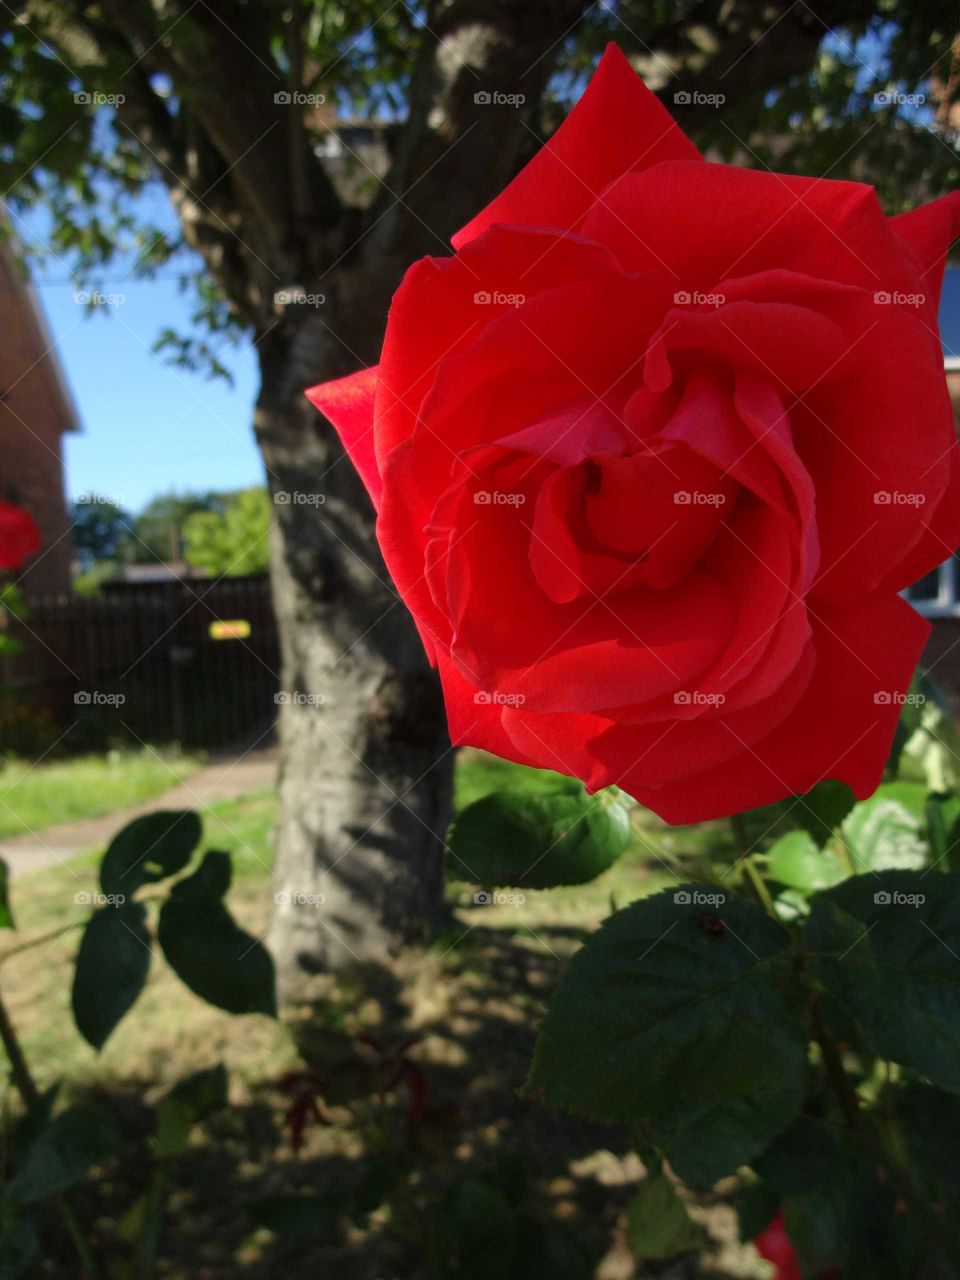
(100, 530)
(157, 532)
(233, 541)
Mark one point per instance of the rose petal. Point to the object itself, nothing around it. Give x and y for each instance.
(703, 223)
(435, 314)
(348, 404)
(617, 126)
(929, 232)
(473, 721)
(878, 442)
(863, 655)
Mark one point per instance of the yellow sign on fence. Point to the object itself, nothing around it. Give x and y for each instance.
(236, 629)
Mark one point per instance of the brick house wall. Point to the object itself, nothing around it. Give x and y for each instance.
(35, 410)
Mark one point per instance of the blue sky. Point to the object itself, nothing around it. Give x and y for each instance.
(147, 428)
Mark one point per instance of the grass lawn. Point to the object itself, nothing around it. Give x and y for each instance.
(471, 1002)
(36, 796)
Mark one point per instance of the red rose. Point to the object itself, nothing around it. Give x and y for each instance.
(19, 536)
(653, 455)
(774, 1245)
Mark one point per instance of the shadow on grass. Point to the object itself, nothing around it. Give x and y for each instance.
(481, 1184)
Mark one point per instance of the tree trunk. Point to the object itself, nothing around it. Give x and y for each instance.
(365, 761)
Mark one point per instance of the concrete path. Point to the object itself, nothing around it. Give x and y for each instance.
(220, 779)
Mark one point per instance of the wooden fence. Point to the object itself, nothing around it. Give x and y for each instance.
(193, 662)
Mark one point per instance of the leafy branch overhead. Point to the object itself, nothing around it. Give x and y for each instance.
(110, 98)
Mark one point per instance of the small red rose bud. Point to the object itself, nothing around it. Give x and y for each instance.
(773, 1244)
(19, 536)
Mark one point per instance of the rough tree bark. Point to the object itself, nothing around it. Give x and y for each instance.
(366, 773)
(366, 764)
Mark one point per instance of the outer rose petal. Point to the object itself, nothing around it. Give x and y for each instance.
(861, 652)
(706, 223)
(617, 126)
(475, 723)
(19, 536)
(348, 403)
(850, 432)
(929, 232)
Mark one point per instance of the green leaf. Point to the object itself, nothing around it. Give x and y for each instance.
(477, 1230)
(844, 1228)
(297, 1219)
(887, 949)
(685, 1022)
(756, 1206)
(805, 1156)
(822, 809)
(20, 1250)
(538, 841)
(141, 1227)
(207, 949)
(942, 813)
(912, 795)
(883, 834)
(188, 1102)
(149, 849)
(795, 861)
(928, 1121)
(933, 744)
(6, 914)
(658, 1225)
(64, 1152)
(112, 967)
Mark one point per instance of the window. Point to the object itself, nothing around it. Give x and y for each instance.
(936, 594)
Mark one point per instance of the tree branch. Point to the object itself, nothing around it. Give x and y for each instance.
(455, 153)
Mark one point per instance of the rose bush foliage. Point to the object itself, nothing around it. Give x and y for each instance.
(653, 454)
